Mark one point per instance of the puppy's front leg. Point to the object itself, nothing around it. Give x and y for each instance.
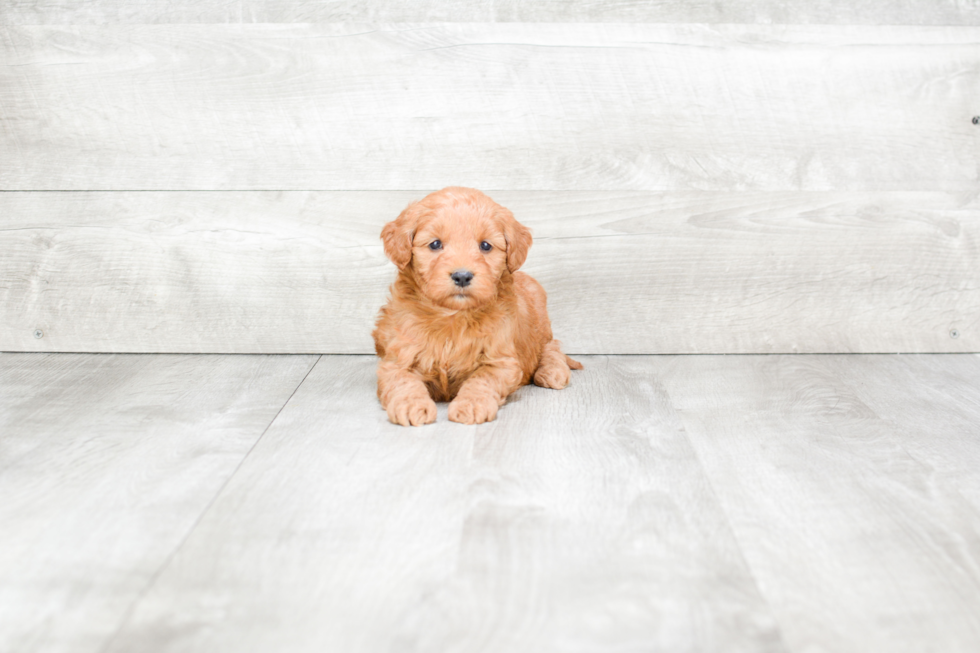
(404, 396)
(484, 392)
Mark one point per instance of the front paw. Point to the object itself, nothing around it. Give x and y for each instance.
(411, 411)
(473, 410)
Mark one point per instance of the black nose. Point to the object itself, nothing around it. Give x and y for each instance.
(462, 278)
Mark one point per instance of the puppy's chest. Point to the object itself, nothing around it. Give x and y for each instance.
(451, 354)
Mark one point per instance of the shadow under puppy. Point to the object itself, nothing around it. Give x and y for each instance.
(462, 325)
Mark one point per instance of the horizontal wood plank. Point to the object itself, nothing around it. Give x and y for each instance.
(304, 272)
(106, 464)
(492, 105)
(858, 12)
(578, 521)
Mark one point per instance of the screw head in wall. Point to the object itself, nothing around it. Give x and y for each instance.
(953, 333)
(976, 120)
(38, 334)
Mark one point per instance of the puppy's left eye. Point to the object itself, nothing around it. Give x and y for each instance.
(485, 246)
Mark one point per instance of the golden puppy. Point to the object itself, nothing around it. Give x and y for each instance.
(462, 324)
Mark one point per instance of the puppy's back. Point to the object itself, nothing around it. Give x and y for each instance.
(534, 302)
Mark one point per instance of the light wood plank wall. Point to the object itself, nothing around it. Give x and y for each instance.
(768, 177)
(839, 12)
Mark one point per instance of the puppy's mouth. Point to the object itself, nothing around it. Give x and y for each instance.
(462, 297)
(459, 298)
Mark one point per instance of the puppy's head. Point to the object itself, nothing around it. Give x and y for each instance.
(458, 243)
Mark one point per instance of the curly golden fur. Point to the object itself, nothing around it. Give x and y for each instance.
(462, 325)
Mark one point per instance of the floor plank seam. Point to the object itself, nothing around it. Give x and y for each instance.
(731, 529)
(190, 531)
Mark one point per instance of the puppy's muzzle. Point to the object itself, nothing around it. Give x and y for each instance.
(462, 278)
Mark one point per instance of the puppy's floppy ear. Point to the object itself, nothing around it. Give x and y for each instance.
(397, 235)
(518, 239)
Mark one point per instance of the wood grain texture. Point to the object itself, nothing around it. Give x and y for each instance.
(106, 463)
(869, 12)
(857, 543)
(931, 405)
(578, 521)
(693, 503)
(489, 105)
(302, 272)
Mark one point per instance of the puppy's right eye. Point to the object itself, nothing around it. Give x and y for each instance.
(435, 245)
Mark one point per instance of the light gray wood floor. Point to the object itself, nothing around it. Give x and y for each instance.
(666, 503)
